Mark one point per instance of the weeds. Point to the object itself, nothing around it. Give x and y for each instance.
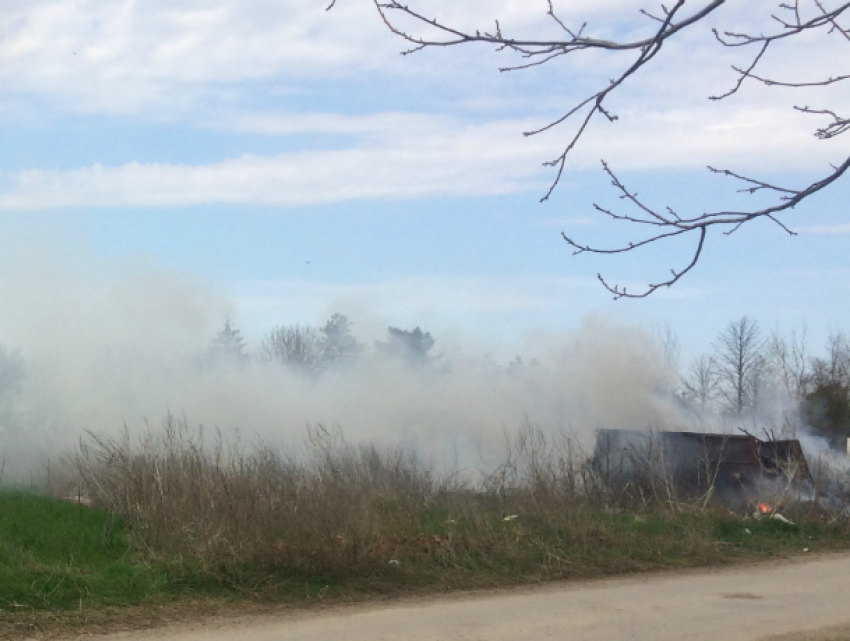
(240, 511)
(186, 516)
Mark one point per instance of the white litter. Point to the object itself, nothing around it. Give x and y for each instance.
(773, 515)
(779, 517)
(511, 517)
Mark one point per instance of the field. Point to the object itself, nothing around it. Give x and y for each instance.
(179, 525)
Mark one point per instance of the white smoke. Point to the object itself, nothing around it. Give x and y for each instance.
(103, 352)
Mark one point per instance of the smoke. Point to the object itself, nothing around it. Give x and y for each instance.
(105, 351)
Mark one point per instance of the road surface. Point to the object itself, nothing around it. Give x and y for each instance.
(802, 599)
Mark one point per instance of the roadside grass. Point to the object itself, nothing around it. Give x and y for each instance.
(68, 568)
(62, 563)
(180, 527)
(54, 554)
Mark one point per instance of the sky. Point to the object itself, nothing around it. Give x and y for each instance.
(283, 162)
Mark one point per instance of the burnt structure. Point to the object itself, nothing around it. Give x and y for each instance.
(737, 469)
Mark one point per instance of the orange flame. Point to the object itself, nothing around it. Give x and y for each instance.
(764, 508)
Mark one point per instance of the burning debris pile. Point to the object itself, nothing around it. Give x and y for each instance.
(741, 471)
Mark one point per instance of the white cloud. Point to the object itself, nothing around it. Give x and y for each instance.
(163, 58)
(403, 156)
(387, 125)
(118, 56)
(424, 162)
(128, 56)
(124, 56)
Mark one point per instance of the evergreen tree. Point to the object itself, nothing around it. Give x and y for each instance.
(338, 345)
(410, 345)
(228, 346)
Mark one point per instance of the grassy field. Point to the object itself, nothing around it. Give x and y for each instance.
(182, 526)
(66, 567)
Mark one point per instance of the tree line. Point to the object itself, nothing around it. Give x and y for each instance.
(746, 370)
(312, 350)
(743, 375)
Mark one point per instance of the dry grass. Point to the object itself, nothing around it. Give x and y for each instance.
(223, 504)
(250, 515)
(194, 518)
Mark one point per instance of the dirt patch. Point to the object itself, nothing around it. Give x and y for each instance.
(832, 633)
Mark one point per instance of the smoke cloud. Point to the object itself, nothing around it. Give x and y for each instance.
(105, 351)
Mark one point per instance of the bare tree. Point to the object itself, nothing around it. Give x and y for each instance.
(793, 19)
(789, 361)
(668, 343)
(836, 367)
(297, 346)
(741, 364)
(702, 382)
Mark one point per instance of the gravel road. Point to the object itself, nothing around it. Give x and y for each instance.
(804, 599)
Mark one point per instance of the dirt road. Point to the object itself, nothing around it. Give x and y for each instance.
(807, 599)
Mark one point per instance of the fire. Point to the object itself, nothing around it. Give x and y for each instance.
(764, 508)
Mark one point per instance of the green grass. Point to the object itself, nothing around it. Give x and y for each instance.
(65, 566)
(56, 555)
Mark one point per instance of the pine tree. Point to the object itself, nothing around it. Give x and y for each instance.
(228, 346)
(338, 345)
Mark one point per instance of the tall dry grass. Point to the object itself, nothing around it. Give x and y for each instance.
(194, 496)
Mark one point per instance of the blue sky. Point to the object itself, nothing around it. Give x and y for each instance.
(290, 162)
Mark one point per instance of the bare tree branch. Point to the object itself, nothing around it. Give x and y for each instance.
(673, 225)
(668, 23)
(836, 128)
(732, 39)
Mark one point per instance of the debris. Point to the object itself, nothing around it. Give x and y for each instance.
(511, 517)
(747, 530)
(732, 467)
(773, 515)
(779, 517)
(395, 562)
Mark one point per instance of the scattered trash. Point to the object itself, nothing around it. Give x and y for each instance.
(747, 530)
(805, 549)
(777, 516)
(395, 562)
(451, 521)
(511, 517)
